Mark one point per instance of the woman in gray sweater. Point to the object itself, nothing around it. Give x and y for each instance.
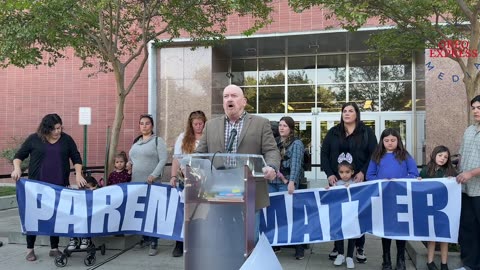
(148, 156)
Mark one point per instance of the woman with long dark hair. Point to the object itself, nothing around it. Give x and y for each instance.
(50, 151)
(148, 156)
(351, 136)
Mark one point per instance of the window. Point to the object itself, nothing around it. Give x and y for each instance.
(331, 68)
(271, 71)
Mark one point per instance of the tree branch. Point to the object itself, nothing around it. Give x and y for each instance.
(463, 6)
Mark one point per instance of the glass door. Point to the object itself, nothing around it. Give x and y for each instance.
(325, 121)
(402, 122)
(304, 130)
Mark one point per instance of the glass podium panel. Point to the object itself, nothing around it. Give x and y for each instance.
(219, 196)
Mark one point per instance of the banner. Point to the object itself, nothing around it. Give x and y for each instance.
(401, 209)
(406, 209)
(133, 208)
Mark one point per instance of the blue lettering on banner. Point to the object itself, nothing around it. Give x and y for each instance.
(276, 218)
(364, 195)
(334, 199)
(392, 190)
(407, 209)
(422, 208)
(306, 220)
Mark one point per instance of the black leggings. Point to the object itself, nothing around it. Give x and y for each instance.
(386, 243)
(53, 241)
(341, 247)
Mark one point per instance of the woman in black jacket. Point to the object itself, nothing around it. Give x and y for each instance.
(50, 152)
(354, 137)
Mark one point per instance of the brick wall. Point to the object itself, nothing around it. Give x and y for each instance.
(28, 94)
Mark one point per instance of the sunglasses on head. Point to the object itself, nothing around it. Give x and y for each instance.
(197, 113)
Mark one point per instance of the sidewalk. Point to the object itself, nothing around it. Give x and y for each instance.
(12, 256)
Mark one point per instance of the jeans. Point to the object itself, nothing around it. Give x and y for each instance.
(273, 187)
(151, 240)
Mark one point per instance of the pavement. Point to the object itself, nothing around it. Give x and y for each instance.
(12, 256)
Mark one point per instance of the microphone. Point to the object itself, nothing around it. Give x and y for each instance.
(231, 139)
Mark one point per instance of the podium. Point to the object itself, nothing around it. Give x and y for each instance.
(219, 196)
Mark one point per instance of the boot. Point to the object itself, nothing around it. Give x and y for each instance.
(443, 266)
(178, 250)
(387, 262)
(401, 262)
(431, 266)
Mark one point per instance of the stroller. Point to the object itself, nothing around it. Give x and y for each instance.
(91, 250)
(90, 258)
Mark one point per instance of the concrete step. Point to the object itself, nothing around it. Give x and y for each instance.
(418, 254)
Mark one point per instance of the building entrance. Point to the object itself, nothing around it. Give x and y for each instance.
(312, 129)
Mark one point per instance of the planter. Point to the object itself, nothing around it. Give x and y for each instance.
(418, 253)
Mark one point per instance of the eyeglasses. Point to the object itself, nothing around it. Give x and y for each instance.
(145, 115)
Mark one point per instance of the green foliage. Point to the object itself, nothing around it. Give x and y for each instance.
(418, 23)
(7, 191)
(37, 32)
(109, 35)
(9, 153)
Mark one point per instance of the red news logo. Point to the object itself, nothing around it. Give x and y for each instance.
(453, 48)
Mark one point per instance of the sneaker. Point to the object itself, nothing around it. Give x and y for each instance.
(277, 249)
(85, 243)
(178, 250)
(73, 244)
(55, 253)
(153, 250)
(361, 258)
(339, 260)
(333, 254)
(349, 262)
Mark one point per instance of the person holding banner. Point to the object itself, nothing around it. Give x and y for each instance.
(148, 156)
(291, 167)
(50, 151)
(346, 172)
(186, 143)
(350, 136)
(391, 160)
(469, 233)
(439, 166)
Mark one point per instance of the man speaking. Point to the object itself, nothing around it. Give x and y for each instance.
(240, 132)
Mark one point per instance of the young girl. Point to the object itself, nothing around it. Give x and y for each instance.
(121, 174)
(346, 172)
(391, 160)
(440, 165)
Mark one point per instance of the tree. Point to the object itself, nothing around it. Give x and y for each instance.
(419, 24)
(111, 34)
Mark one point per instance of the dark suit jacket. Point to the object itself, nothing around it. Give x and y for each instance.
(256, 138)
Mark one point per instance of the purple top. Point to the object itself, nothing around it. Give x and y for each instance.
(51, 168)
